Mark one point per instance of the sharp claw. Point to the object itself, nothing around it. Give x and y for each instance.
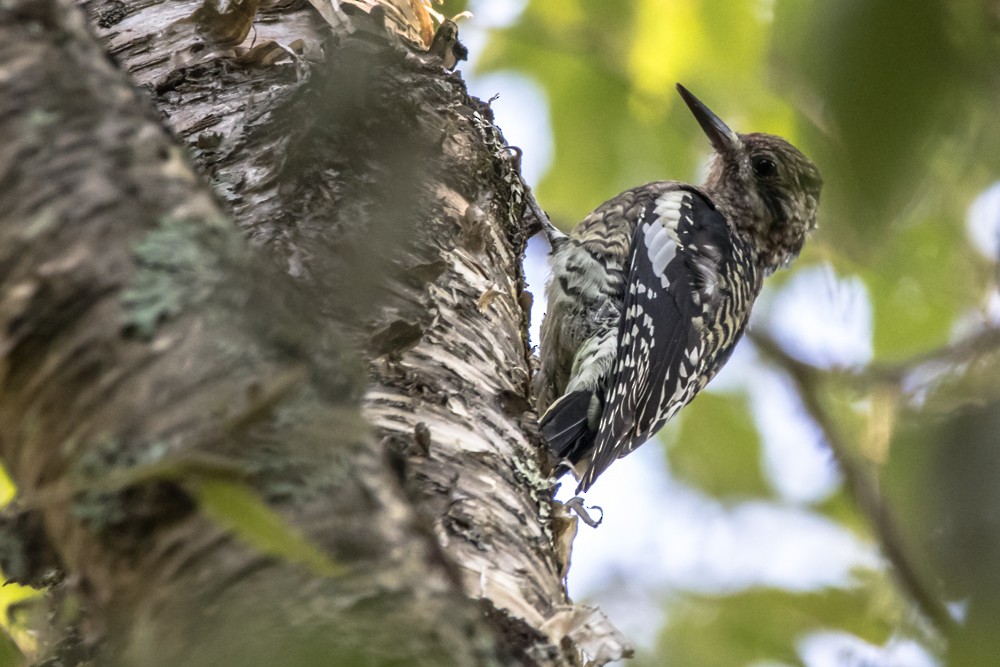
(576, 504)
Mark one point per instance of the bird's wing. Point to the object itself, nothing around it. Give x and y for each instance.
(678, 250)
(579, 331)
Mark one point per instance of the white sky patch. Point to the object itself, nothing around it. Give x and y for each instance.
(822, 319)
(993, 308)
(486, 15)
(825, 321)
(496, 13)
(983, 222)
(536, 274)
(840, 649)
(797, 459)
(738, 371)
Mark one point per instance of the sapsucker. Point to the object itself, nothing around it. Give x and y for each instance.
(651, 292)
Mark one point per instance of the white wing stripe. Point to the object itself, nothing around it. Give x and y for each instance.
(655, 237)
(663, 258)
(668, 207)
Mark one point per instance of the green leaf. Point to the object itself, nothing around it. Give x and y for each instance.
(717, 447)
(239, 509)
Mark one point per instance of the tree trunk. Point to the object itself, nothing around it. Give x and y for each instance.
(361, 366)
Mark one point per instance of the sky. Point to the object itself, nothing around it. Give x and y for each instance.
(659, 535)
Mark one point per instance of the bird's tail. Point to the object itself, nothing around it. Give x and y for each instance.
(566, 426)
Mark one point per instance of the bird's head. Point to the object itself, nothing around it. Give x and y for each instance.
(765, 186)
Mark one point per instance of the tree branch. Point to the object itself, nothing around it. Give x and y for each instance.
(861, 485)
(965, 349)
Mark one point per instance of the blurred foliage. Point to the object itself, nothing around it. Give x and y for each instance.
(943, 482)
(892, 99)
(717, 448)
(732, 630)
(895, 101)
(10, 654)
(919, 281)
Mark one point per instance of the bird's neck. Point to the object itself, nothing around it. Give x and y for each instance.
(742, 212)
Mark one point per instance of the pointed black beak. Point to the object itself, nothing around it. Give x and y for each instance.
(723, 138)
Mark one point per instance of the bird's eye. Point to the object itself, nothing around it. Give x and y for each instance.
(764, 167)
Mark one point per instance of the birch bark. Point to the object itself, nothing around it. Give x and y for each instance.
(361, 365)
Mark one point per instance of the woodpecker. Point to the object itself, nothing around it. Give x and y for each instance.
(653, 289)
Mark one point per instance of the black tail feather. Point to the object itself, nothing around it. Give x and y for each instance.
(565, 426)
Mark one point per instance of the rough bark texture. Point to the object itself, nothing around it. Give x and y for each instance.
(152, 362)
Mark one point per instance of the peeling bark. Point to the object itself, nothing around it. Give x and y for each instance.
(147, 352)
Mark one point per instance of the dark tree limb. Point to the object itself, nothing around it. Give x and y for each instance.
(861, 485)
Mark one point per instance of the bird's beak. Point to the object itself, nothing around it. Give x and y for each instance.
(723, 138)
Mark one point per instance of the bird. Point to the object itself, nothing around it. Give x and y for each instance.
(651, 292)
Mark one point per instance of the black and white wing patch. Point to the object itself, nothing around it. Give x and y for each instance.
(678, 253)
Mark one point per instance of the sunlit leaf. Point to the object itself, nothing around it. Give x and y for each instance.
(7, 489)
(11, 626)
(10, 594)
